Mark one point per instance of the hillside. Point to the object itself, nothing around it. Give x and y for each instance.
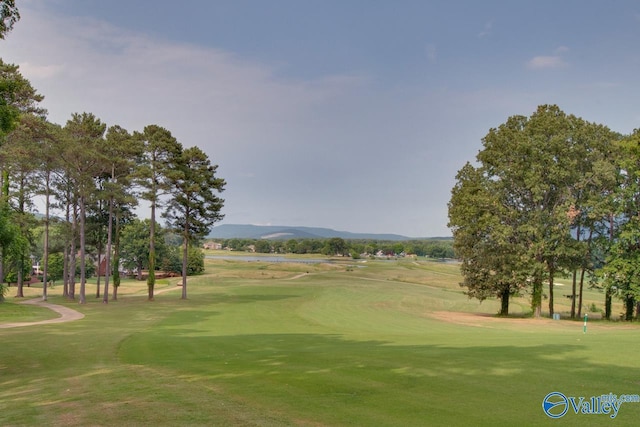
(281, 232)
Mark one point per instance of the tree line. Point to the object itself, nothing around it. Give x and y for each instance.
(550, 195)
(436, 248)
(90, 173)
(133, 252)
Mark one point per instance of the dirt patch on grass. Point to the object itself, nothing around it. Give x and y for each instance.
(485, 320)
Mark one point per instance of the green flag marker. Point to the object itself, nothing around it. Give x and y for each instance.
(584, 328)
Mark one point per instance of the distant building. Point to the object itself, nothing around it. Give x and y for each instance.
(212, 245)
(102, 267)
(35, 269)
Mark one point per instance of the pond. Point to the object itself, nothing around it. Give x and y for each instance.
(268, 258)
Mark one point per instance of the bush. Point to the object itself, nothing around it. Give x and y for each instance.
(195, 261)
(172, 261)
(594, 309)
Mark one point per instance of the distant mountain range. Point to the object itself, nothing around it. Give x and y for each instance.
(281, 232)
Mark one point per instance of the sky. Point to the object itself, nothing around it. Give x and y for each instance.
(350, 114)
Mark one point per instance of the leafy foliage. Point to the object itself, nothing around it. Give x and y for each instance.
(194, 206)
(515, 215)
(172, 260)
(622, 267)
(9, 15)
(159, 164)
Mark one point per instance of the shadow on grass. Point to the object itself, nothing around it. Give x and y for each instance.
(253, 353)
(381, 383)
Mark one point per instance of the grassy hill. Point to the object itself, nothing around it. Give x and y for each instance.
(377, 343)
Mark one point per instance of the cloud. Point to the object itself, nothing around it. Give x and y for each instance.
(285, 146)
(554, 61)
(488, 27)
(432, 52)
(329, 151)
(41, 71)
(546, 62)
(134, 80)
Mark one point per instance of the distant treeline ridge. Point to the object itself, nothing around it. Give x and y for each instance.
(338, 246)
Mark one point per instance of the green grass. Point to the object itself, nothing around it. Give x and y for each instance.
(12, 311)
(348, 344)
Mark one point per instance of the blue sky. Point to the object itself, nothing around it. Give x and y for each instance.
(349, 114)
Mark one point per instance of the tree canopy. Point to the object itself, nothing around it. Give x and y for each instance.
(194, 206)
(9, 15)
(535, 205)
(93, 174)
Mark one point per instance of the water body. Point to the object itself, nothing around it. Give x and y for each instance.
(267, 258)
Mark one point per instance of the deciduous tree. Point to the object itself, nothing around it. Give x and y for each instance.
(486, 239)
(529, 181)
(622, 272)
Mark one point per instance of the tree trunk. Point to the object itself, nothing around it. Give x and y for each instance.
(72, 272)
(99, 263)
(551, 274)
(151, 282)
(107, 270)
(185, 257)
(151, 278)
(536, 296)
(575, 279)
(20, 293)
(83, 269)
(573, 294)
(583, 270)
(45, 262)
(4, 209)
(116, 258)
(629, 303)
(21, 261)
(66, 255)
(65, 272)
(72, 258)
(504, 301)
(607, 303)
(1, 268)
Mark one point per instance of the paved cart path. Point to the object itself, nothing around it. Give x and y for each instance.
(66, 314)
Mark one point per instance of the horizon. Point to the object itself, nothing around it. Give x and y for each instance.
(348, 115)
(284, 227)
